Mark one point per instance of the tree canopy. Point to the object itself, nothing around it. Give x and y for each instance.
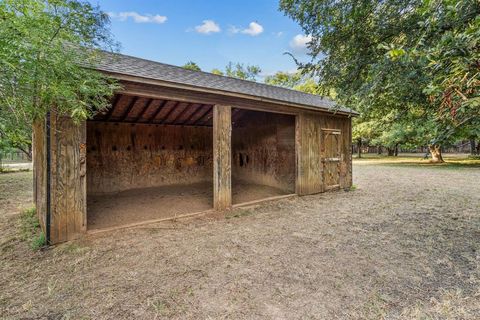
(401, 63)
(46, 48)
(242, 71)
(190, 65)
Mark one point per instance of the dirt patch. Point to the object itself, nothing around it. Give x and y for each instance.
(405, 244)
(143, 204)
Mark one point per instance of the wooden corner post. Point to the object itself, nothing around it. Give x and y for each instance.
(222, 157)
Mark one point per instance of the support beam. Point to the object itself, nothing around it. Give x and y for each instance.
(222, 157)
(145, 108)
(155, 114)
(129, 108)
(115, 101)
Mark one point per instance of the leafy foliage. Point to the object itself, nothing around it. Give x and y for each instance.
(218, 72)
(402, 63)
(241, 71)
(46, 48)
(190, 65)
(296, 81)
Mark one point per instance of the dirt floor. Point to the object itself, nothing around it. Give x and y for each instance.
(133, 206)
(405, 244)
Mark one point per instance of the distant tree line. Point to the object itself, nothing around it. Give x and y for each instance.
(410, 67)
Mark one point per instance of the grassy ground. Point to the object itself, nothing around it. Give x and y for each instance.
(417, 160)
(404, 245)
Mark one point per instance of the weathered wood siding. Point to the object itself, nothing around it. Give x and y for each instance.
(222, 157)
(263, 147)
(310, 165)
(40, 171)
(68, 180)
(124, 156)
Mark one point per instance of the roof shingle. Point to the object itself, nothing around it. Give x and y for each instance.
(132, 66)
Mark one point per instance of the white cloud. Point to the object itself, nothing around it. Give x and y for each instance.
(138, 18)
(254, 29)
(299, 42)
(278, 34)
(207, 27)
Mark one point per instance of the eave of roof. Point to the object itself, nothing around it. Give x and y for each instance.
(146, 71)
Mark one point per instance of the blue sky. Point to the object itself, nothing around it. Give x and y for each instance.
(210, 33)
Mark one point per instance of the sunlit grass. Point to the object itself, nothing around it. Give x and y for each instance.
(452, 161)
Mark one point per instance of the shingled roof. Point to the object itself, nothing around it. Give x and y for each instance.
(115, 63)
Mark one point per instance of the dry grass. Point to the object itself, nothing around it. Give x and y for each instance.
(403, 245)
(452, 161)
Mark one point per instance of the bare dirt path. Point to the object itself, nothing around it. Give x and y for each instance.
(405, 244)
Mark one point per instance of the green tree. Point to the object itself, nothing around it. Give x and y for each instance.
(218, 72)
(284, 79)
(241, 71)
(190, 65)
(295, 81)
(406, 57)
(46, 49)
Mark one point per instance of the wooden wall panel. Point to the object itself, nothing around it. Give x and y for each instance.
(40, 171)
(222, 157)
(68, 181)
(310, 178)
(263, 147)
(124, 156)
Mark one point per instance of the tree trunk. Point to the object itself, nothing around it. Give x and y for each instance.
(436, 152)
(390, 152)
(379, 150)
(473, 151)
(359, 146)
(478, 147)
(396, 150)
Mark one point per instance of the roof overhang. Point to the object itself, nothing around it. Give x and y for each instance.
(199, 89)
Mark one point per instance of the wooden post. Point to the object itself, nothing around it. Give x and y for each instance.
(222, 157)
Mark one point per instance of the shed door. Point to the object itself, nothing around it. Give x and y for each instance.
(331, 157)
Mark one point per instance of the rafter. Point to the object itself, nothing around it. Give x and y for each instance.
(169, 112)
(109, 113)
(180, 113)
(207, 117)
(187, 111)
(145, 108)
(128, 109)
(194, 113)
(203, 117)
(155, 114)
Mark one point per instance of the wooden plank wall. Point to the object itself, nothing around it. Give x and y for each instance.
(68, 180)
(222, 157)
(40, 171)
(124, 156)
(263, 146)
(308, 141)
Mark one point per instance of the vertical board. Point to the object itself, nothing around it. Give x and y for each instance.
(310, 177)
(222, 157)
(263, 149)
(39, 171)
(68, 179)
(331, 142)
(123, 156)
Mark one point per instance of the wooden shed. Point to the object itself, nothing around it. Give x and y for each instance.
(177, 142)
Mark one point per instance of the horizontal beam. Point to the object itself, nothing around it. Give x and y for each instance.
(152, 91)
(231, 96)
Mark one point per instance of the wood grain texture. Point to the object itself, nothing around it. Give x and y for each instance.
(310, 171)
(40, 171)
(68, 180)
(263, 149)
(124, 156)
(222, 157)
